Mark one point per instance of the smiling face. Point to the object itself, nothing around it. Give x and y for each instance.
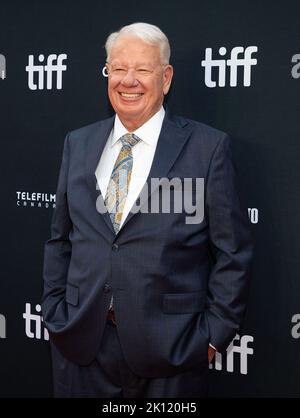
(137, 81)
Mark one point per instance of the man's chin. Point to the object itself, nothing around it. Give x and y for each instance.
(129, 114)
(130, 109)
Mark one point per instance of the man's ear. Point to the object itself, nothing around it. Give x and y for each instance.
(168, 75)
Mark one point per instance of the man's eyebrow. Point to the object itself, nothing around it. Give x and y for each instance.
(139, 64)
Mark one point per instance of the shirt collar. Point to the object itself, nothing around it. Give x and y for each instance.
(149, 132)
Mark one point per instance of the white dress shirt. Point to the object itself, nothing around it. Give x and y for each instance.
(142, 153)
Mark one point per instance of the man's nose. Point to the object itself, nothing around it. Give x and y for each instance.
(129, 79)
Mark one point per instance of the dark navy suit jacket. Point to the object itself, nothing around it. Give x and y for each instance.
(177, 287)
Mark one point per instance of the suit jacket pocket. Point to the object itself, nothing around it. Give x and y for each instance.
(72, 294)
(174, 303)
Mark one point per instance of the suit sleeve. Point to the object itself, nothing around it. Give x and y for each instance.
(57, 252)
(231, 245)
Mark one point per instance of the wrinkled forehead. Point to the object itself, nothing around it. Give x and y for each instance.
(134, 50)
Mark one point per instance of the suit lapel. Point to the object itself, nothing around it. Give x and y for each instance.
(94, 148)
(170, 144)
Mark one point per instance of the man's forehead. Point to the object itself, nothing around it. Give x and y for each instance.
(126, 44)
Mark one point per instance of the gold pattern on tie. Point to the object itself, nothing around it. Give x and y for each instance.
(117, 189)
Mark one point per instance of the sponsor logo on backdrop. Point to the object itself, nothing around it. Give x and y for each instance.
(2, 67)
(296, 68)
(295, 331)
(236, 356)
(53, 70)
(35, 199)
(218, 72)
(2, 326)
(253, 215)
(34, 323)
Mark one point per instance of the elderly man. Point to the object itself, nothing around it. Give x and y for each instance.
(137, 301)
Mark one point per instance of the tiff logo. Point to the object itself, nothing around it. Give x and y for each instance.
(33, 323)
(239, 57)
(296, 328)
(296, 68)
(2, 67)
(238, 347)
(50, 68)
(2, 326)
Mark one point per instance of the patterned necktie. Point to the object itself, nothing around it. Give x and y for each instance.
(117, 189)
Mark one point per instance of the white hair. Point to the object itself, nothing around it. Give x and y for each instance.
(150, 34)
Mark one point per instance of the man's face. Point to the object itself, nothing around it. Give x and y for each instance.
(137, 81)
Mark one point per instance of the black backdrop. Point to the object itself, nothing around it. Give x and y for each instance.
(262, 120)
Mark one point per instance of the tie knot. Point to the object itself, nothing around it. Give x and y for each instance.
(129, 140)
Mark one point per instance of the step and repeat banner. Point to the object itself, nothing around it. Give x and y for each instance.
(237, 68)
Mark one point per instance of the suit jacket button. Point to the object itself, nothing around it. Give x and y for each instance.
(106, 288)
(115, 247)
